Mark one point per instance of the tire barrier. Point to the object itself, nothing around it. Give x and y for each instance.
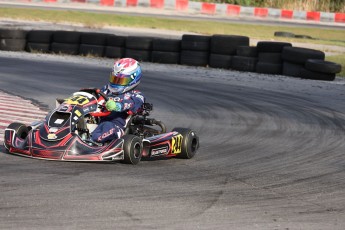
(39, 41)
(65, 42)
(92, 44)
(166, 51)
(139, 48)
(216, 51)
(115, 46)
(223, 48)
(195, 50)
(12, 40)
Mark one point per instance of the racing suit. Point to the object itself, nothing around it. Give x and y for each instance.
(112, 126)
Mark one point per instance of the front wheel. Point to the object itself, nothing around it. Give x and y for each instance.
(190, 143)
(20, 129)
(133, 149)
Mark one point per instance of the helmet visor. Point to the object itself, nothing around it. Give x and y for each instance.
(120, 79)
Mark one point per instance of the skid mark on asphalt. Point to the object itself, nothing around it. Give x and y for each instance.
(17, 109)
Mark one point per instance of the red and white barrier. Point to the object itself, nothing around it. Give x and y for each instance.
(213, 9)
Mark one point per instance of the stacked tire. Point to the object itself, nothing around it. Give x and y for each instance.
(139, 48)
(317, 69)
(223, 48)
(166, 51)
(39, 41)
(194, 50)
(66, 42)
(92, 44)
(12, 40)
(245, 59)
(115, 46)
(294, 60)
(270, 57)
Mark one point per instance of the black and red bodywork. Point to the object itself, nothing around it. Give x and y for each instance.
(64, 134)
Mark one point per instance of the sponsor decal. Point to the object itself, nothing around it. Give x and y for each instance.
(160, 151)
(53, 129)
(52, 136)
(106, 134)
(59, 121)
(116, 99)
(77, 112)
(176, 144)
(127, 106)
(127, 96)
(87, 109)
(141, 97)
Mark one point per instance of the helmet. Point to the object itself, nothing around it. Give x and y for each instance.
(125, 76)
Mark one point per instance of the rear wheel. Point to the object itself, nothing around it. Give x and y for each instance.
(20, 129)
(190, 143)
(133, 149)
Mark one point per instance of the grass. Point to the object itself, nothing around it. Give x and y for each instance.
(335, 37)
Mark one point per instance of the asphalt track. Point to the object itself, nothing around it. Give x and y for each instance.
(271, 155)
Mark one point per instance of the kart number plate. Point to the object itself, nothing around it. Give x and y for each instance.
(77, 100)
(176, 144)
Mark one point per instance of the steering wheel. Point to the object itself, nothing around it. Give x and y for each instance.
(100, 95)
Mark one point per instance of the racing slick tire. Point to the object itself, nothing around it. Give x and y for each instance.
(132, 148)
(190, 143)
(20, 129)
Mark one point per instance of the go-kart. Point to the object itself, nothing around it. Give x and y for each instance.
(65, 134)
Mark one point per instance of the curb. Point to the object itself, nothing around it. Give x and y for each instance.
(211, 9)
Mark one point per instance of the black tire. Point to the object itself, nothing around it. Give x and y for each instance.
(38, 47)
(247, 51)
(292, 69)
(39, 36)
(195, 42)
(269, 68)
(247, 64)
(12, 44)
(303, 36)
(63, 48)
(114, 52)
(93, 50)
(307, 74)
(67, 37)
(139, 55)
(220, 61)
(322, 66)
(167, 45)
(132, 149)
(300, 55)
(271, 47)
(20, 129)
(284, 34)
(98, 39)
(194, 58)
(273, 58)
(139, 43)
(12, 33)
(116, 41)
(165, 57)
(227, 44)
(190, 143)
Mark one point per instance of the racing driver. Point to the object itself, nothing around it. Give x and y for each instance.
(123, 99)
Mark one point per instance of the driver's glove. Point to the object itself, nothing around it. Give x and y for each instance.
(113, 106)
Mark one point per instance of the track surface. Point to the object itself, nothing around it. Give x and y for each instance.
(271, 156)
